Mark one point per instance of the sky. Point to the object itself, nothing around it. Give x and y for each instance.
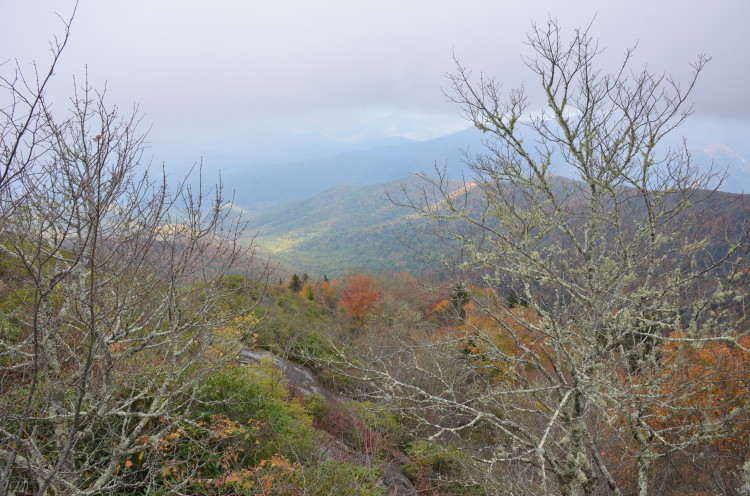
(262, 80)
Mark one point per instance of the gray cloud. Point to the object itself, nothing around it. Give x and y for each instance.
(228, 70)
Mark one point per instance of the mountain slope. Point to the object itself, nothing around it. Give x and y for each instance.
(344, 228)
(355, 228)
(266, 186)
(263, 187)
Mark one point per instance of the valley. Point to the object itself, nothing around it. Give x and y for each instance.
(332, 216)
(552, 302)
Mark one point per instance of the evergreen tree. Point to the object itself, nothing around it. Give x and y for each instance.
(513, 299)
(295, 284)
(459, 299)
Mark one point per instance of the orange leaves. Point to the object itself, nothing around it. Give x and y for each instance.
(270, 476)
(359, 296)
(223, 427)
(506, 343)
(215, 457)
(442, 307)
(117, 347)
(713, 377)
(327, 292)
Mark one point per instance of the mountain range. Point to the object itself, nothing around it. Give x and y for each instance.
(264, 186)
(329, 216)
(344, 228)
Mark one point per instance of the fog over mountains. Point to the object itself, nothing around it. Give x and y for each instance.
(263, 186)
(330, 215)
(260, 187)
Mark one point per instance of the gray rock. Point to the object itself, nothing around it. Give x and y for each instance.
(299, 377)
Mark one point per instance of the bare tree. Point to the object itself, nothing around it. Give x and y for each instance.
(626, 272)
(24, 135)
(111, 291)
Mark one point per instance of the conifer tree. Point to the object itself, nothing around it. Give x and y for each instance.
(295, 284)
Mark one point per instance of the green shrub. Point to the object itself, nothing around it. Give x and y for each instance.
(435, 469)
(384, 421)
(429, 458)
(317, 407)
(334, 477)
(241, 395)
(9, 330)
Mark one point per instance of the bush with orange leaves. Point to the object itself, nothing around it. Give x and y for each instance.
(708, 391)
(359, 297)
(637, 246)
(327, 292)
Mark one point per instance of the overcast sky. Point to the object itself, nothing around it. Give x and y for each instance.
(210, 74)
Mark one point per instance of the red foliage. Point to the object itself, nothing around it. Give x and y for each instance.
(336, 424)
(359, 296)
(346, 428)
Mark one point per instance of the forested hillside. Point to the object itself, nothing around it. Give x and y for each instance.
(346, 228)
(355, 228)
(584, 336)
(260, 188)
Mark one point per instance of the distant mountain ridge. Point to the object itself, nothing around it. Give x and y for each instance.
(331, 215)
(263, 187)
(342, 229)
(362, 228)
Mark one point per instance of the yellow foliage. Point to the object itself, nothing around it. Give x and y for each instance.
(269, 378)
(443, 306)
(307, 292)
(228, 339)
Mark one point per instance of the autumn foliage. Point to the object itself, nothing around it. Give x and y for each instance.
(359, 296)
(711, 386)
(308, 291)
(327, 293)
